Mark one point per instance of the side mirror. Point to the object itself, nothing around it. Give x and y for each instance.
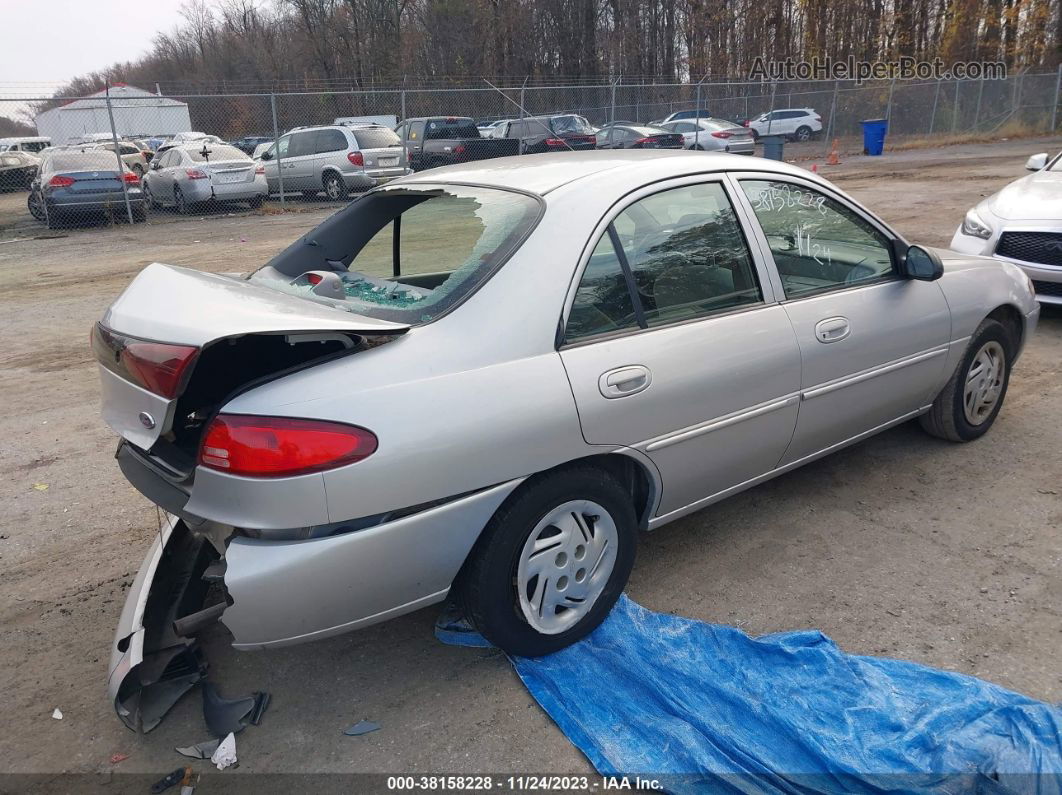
(1036, 162)
(155, 165)
(921, 264)
(266, 155)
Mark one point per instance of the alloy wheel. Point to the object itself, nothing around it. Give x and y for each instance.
(333, 189)
(565, 565)
(984, 382)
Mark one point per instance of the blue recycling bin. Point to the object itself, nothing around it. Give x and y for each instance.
(874, 136)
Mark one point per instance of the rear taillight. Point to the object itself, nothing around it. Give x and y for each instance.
(459, 149)
(156, 366)
(259, 170)
(642, 141)
(356, 158)
(130, 178)
(271, 447)
(722, 134)
(195, 173)
(745, 123)
(60, 182)
(555, 142)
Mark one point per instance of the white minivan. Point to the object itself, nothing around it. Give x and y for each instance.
(31, 144)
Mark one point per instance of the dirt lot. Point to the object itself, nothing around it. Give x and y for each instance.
(902, 545)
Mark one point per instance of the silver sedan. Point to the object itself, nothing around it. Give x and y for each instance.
(483, 381)
(714, 135)
(190, 174)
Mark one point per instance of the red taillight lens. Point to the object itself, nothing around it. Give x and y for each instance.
(131, 178)
(195, 173)
(259, 170)
(745, 123)
(156, 366)
(60, 182)
(356, 158)
(642, 141)
(272, 447)
(722, 134)
(459, 149)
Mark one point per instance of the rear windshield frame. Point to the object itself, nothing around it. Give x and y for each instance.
(426, 187)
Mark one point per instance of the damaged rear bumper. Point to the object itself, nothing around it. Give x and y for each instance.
(151, 666)
(276, 593)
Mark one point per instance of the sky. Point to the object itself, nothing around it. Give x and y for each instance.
(42, 45)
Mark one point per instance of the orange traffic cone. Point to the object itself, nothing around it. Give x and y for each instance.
(814, 168)
(834, 159)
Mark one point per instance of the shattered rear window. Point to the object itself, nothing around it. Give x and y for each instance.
(450, 239)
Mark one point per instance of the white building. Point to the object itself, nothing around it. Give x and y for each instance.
(137, 113)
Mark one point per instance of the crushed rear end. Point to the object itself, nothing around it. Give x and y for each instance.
(220, 336)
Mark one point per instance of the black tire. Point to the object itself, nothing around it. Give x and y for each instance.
(755, 135)
(803, 133)
(487, 586)
(257, 202)
(334, 187)
(697, 148)
(140, 214)
(947, 418)
(33, 204)
(152, 202)
(179, 202)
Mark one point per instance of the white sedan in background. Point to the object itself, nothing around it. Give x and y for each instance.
(713, 135)
(1022, 224)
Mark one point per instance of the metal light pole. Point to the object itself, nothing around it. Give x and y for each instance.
(118, 154)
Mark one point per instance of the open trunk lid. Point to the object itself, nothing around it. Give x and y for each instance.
(181, 307)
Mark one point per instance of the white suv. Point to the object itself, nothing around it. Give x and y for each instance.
(797, 124)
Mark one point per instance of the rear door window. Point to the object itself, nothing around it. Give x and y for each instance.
(331, 141)
(416, 131)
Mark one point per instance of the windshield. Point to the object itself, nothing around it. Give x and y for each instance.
(450, 240)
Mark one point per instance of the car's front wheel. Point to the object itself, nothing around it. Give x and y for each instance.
(803, 133)
(552, 562)
(179, 202)
(970, 402)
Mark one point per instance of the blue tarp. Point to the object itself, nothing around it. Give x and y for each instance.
(706, 708)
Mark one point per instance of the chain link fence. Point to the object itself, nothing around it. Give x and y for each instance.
(105, 157)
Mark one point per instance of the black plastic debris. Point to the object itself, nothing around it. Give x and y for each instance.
(169, 780)
(224, 716)
(203, 750)
(360, 728)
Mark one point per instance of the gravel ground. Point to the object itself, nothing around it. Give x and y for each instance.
(902, 545)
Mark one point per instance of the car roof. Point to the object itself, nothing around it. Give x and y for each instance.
(621, 169)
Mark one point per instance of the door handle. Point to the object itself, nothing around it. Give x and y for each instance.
(832, 329)
(624, 381)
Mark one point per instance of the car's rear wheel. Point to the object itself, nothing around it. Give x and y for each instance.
(179, 201)
(803, 133)
(256, 202)
(36, 208)
(551, 562)
(151, 200)
(334, 187)
(970, 402)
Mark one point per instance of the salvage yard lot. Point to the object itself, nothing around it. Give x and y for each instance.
(902, 545)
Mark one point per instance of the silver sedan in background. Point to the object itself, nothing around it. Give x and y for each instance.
(189, 174)
(482, 381)
(714, 135)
